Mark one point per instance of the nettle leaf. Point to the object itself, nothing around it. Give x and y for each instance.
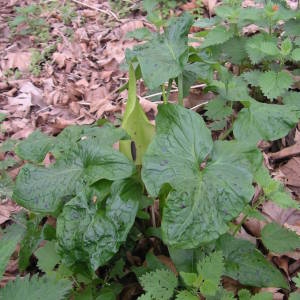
(35, 147)
(91, 233)
(47, 257)
(45, 190)
(252, 77)
(186, 295)
(263, 121)
(217, 109)
(245, 295)
(210, 270)
(274, 84)
(279, 239)
(286, 47)
(163, 57)
(218, 35)
(260, 46)
(159, 284)
(202, 201)
(30, 242)
(243, 262)
(46, 288)
(234, 49)
(136, 124)
(274, 190)
(8, 244)
(291, 27)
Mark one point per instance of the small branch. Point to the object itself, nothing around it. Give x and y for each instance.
(106, 12)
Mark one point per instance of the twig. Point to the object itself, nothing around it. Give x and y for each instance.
(107, 12)
(199, 105)
(174, 90)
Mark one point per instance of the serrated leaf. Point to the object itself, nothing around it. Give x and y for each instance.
(47, 257)
(234, 49)
(136, 124)
(194, 212)
(292, 98)
(8, 244)
(294, 296)
(35, 147)
(7, 163)
(262, 296)
(296, 54)
(8, 145)
(46, 288)
(186, 295)
(45, 190)
(92, 235)
(210, 269)
(259, 47)
(30, 242)
(222, 294)
(216, 36)
(291, 27)
(217, 109)
(274, 190)
(279, 239)
(252, 77)
(163, 57)
(243, 262)
(188, 278)
(159, 284)
(274, 84)
(263, 121)
(297, 280)
(286, 47)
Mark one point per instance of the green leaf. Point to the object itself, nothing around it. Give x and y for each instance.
(222, 294)
(136, 124)
(234, 49)
(46, 288)
(188, 278)
(274, 84)
(243, 262)
(217, 109)
(47, 257)
(291, 27)
(35, 147)
(216, 36)
(159, 284)
(296, 54)
(8, 145)
(210, 269)
(186, 295)
(92, 235)
(274, 190)
(279, 239)
(292, 98)
(45, 190)
(286, 47)
(252, 77)
(8, 244)
(245, 295)
(30, 242)
(294, 296)
(6, 186)
(7, 163)
(163, 57)
(202, 201)
(260, 46)
(297, 280)
(263, 121)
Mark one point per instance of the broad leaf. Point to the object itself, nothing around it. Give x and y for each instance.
(8, 244)
(136, 124)
(274, 84)
(202, 201)
(91, 234)
(163, 57)
(264, 122)
(46, 288)
(243, 262)
(45, 190)
(35, 147)
(186, 295)
(296, 54)
(279, 239)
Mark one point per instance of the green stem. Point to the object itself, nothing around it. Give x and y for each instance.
(180, 89)
(164, 94)
(169, 88)
(238, 226)
(224, 135)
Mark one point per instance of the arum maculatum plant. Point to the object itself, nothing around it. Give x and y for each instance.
(97, 194)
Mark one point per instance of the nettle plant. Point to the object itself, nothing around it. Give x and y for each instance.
(89, 205)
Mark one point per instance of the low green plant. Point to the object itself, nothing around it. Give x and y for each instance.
(98, 194)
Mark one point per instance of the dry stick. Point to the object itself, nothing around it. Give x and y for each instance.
(107, 12)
